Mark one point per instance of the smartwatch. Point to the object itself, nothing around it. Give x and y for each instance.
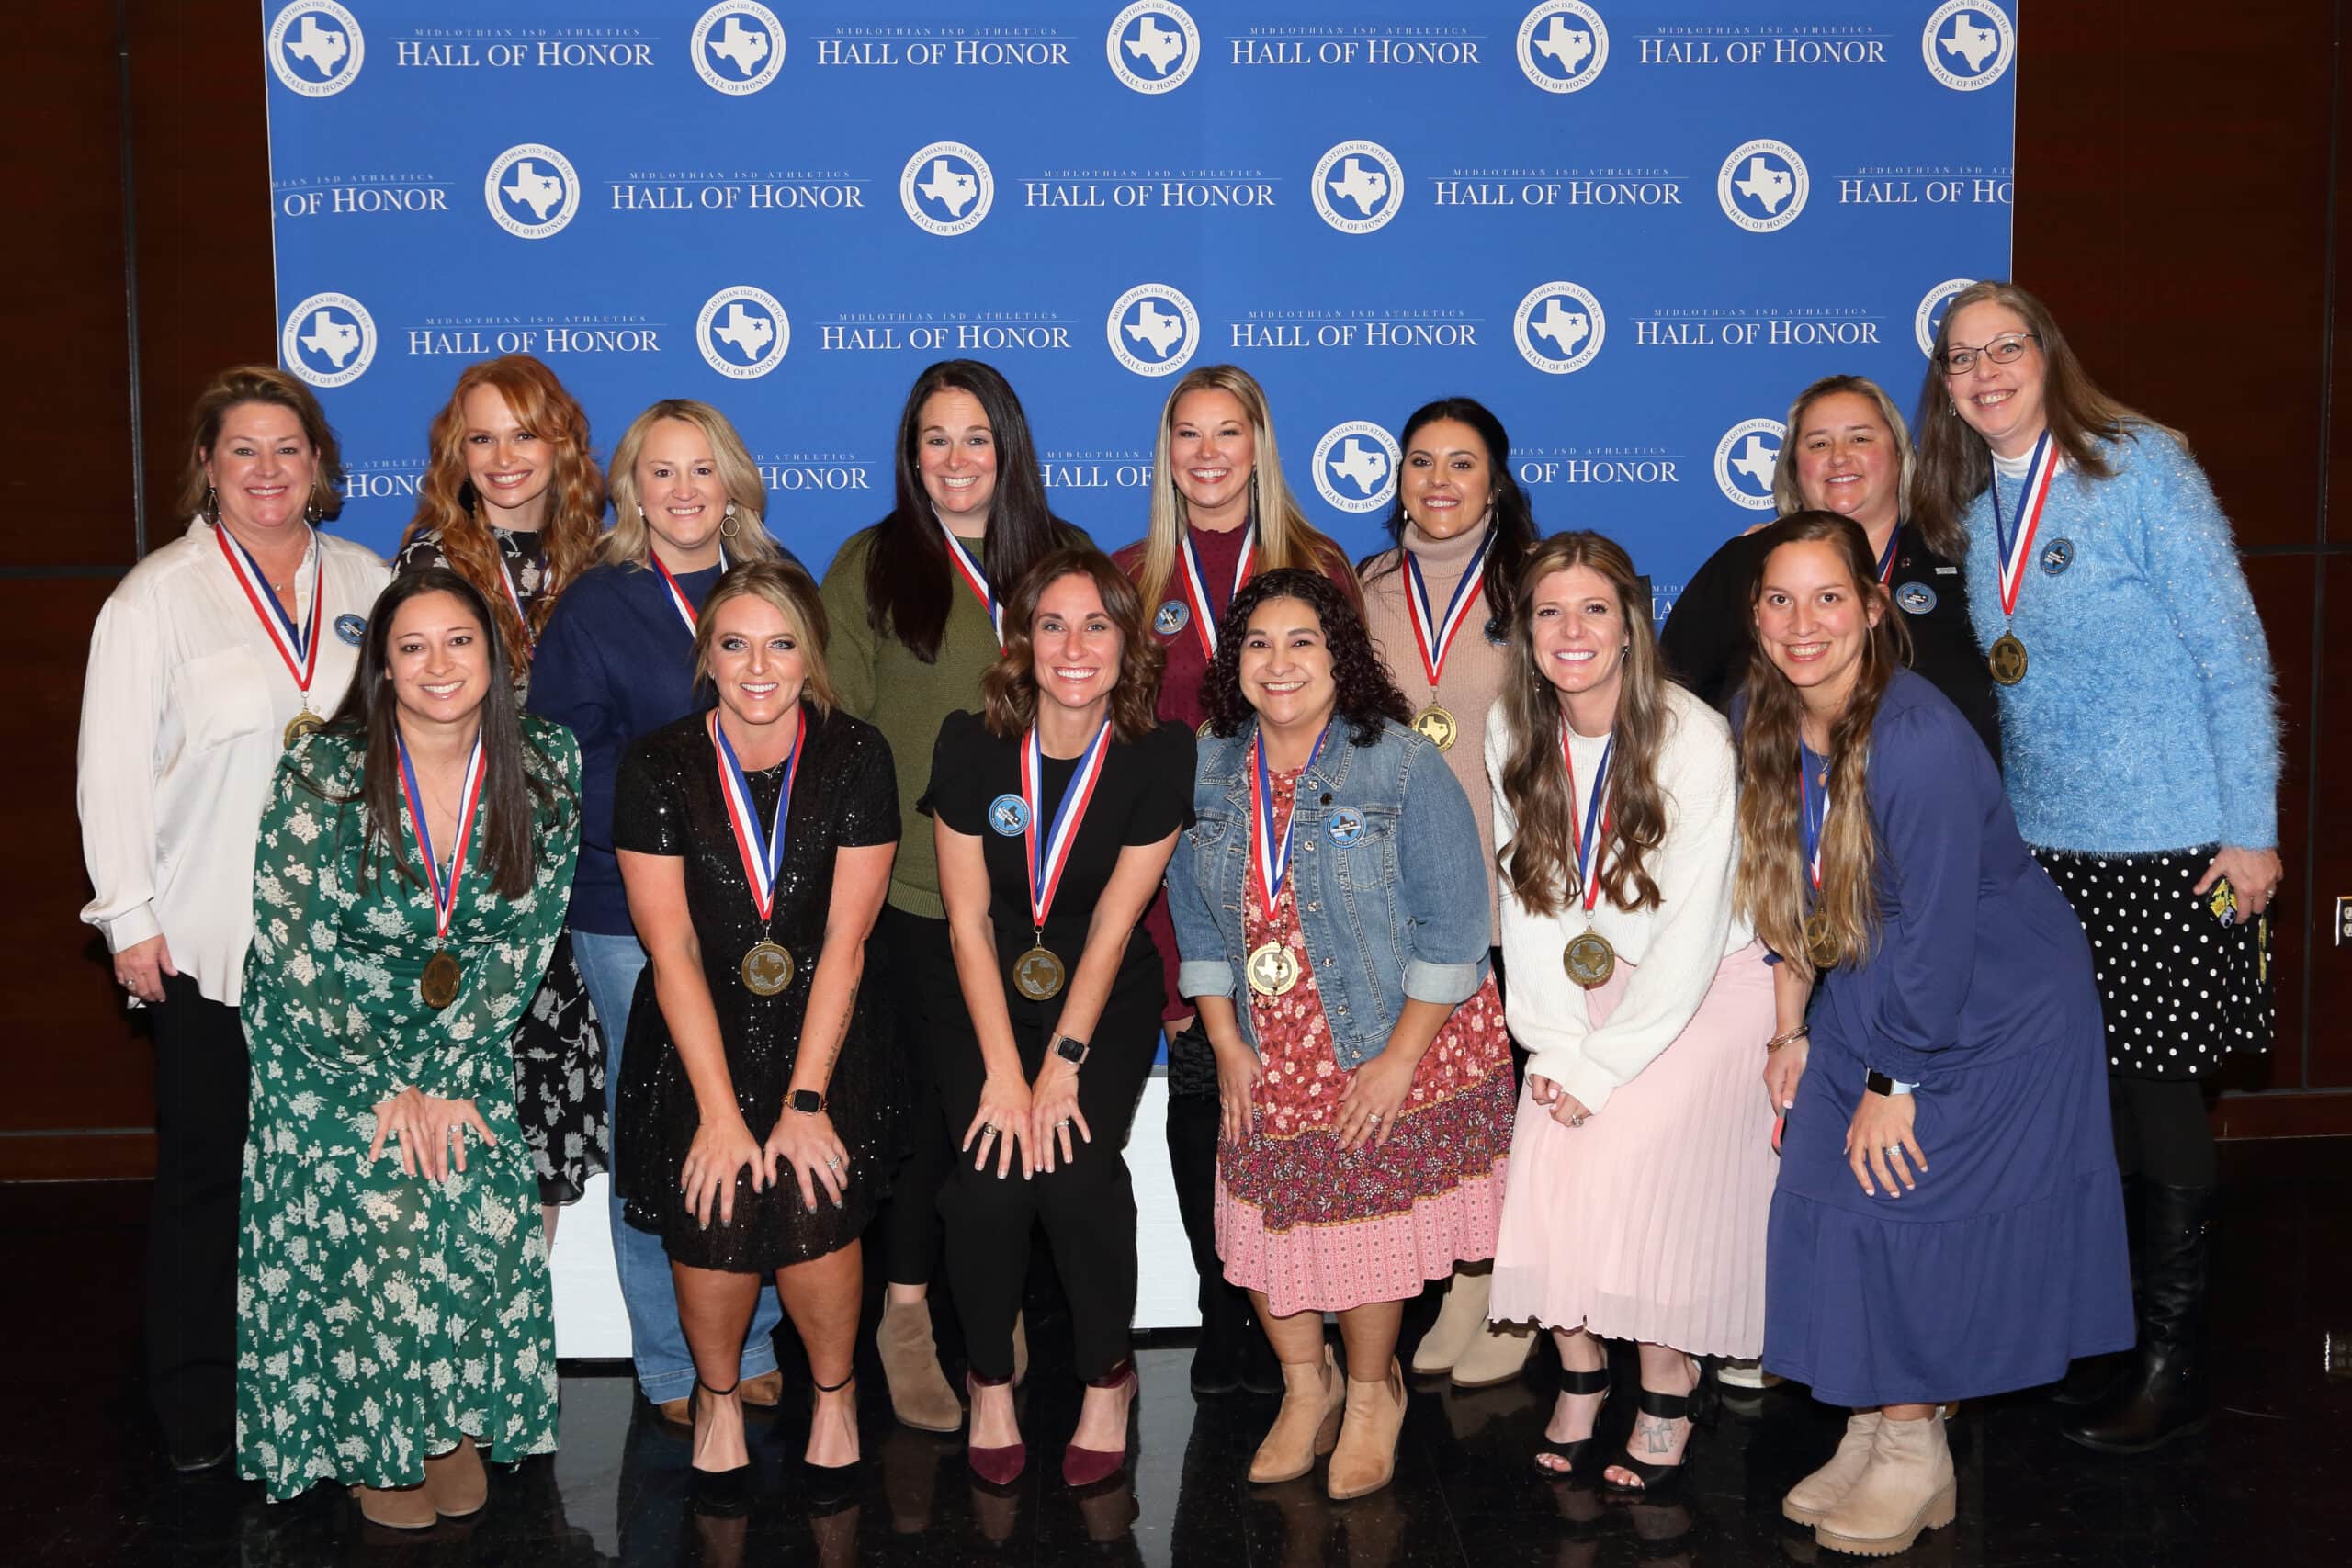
(1879, 1083)
(1074, 1052)
(807, 1101)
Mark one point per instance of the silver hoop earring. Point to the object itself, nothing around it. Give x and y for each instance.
(728, 526)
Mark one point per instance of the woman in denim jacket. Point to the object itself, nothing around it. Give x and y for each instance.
(1333, 883)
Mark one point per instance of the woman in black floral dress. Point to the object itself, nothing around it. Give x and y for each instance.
(512, 503)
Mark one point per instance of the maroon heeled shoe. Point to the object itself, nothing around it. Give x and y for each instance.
(998, 1467)
(1084, 1467)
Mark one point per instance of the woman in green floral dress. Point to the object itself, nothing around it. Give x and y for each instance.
(393, 1301)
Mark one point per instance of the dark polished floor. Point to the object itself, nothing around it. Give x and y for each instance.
(2267, 1483)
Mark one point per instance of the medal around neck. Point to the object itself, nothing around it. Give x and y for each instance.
(1813, 823)
(2008, 654)
(1588, 959)
(767, 968)
(1039, 973)
(442, 977)
(1436, 726)
(301, 723)
(1272, 969)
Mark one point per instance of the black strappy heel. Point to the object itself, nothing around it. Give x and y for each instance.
(1573, 1453)
(724, 1493)
(830, 1485)
(1661, 1480)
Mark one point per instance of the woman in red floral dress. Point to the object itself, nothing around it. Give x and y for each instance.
(1334, 880)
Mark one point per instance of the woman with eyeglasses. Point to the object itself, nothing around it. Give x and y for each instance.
(2141, 738)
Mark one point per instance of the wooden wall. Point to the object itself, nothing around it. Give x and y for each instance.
(2179, 211)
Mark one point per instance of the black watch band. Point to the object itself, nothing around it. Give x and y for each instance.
(1877, 1082)
(1072, 1051)
(807, 1101)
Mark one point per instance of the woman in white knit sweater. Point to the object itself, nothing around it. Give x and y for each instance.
(1642, 1165)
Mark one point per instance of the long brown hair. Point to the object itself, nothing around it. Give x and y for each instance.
(1009, 689)
(259, 384)
(909, 586)
(510, 788)
(1955, 465)
(446, 503)
(1538, 863)
(1773, 880)
(1285, 536)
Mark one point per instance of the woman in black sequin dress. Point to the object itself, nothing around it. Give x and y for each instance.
(755, 1096)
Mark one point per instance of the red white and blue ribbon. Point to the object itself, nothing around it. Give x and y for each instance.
(1887, 560)
(297, 644)
(973, 579)
(443, 891)
(1590, 835)
(678, 600)
(1270, 851)
(1813, 820)
(1205, 615)
(1049, 851)
(1433, 636)
(2018, 549)
(763, 852)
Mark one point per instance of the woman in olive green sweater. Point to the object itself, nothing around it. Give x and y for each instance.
(914, 605)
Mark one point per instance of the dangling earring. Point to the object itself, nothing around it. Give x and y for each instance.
(212, 503)
(728, 526)
(314, 508)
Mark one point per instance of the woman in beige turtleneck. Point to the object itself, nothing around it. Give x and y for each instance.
(1437, 605)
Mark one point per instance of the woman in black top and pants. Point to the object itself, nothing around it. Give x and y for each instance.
(1055, 811)
(1846, 451)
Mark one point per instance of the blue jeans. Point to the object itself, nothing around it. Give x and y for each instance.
(665, 1368)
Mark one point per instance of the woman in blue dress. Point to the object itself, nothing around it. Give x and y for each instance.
(1949, 1221)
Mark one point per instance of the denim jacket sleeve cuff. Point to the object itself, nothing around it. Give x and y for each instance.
(1449, 984)
(1205, 977)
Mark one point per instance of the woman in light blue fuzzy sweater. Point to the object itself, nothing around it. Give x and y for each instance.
(2141, 748)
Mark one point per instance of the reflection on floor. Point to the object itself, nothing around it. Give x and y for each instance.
(2265, 1486)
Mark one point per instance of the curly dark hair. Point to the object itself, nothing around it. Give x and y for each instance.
(1366, 694)
(1009, 689)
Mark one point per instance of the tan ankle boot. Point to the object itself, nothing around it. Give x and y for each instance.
(1496, 1355)
(1366, 1456)
(921, 1396)
(1809, 1499)
(400, 1507)
(1459, 1322)
(1309, 1422)
(1908, 1487)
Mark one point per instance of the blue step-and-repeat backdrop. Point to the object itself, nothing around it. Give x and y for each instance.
(1633, 230)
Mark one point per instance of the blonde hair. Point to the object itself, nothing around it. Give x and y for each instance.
(784, 587)
(630, 543)
(1285, 536)
(1788, 495)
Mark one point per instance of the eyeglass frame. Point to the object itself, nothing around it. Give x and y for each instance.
(1944, 363)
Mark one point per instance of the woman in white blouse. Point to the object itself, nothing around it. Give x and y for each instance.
(208, 657)
(1641, 1166)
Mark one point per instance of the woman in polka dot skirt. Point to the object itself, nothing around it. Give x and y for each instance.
(2140, 744)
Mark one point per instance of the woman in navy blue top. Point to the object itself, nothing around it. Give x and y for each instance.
(1949, 1224)
(614, 662)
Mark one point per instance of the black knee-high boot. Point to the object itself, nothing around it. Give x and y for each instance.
(2163, 1393)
